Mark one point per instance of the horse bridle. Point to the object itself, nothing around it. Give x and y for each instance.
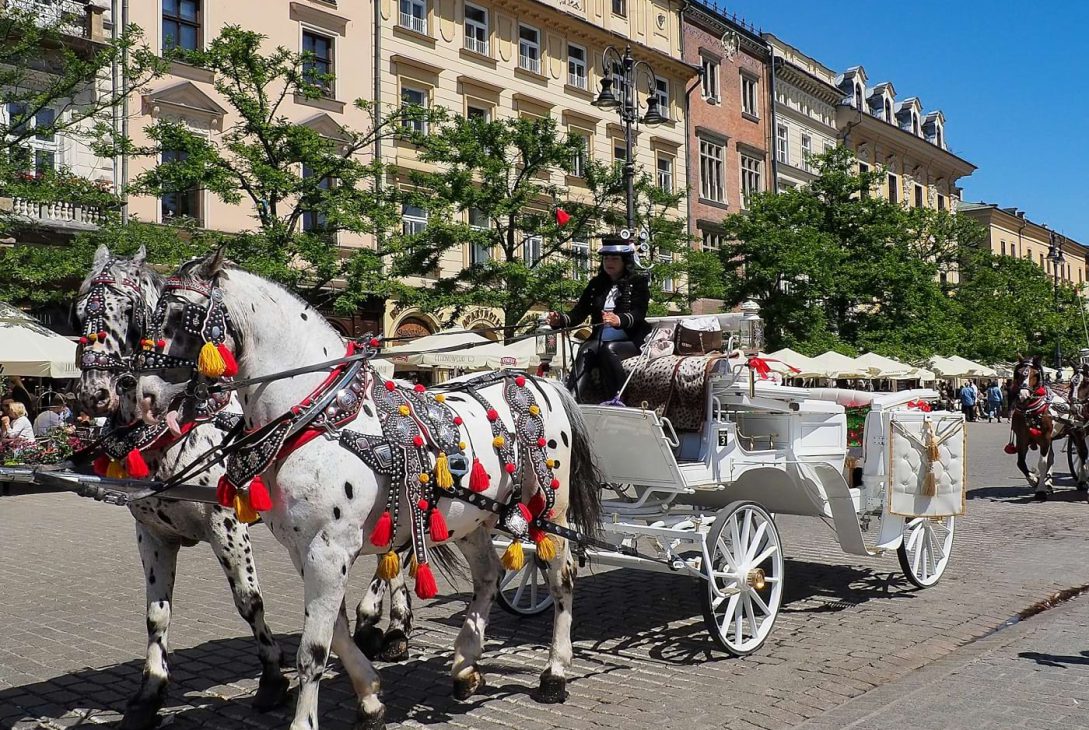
(210, 323)
(94, 328)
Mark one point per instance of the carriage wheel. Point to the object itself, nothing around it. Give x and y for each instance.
(524, 592)
(745, 577)
(924, 553)
(1073, 460)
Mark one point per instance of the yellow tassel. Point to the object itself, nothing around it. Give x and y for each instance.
(546, 549)
(115, 470)
(443, 478)
(389, 565)
(243, 509)
(413, 566)
(513, 557)
(210, 362)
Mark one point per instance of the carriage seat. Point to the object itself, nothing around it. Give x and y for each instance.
(673, 385)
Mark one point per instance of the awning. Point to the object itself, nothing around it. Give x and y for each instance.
(883, 367)
(29, 349)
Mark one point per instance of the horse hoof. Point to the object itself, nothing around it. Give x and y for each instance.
(1041, 496)
(552, 690)
(394, 646)
(271, 692)
(467, 686)
(377, 721)
(1083, 487)
(143, 716)
(369, 641)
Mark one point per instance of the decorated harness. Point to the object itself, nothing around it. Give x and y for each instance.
(94, 328)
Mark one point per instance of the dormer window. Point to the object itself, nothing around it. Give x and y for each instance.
(938, 137)
(915, 124)
(858, 96)
(888, 110)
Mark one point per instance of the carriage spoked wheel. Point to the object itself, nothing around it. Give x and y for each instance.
(924, 553)
(1074, 461)
(524, 592)
(745, 578)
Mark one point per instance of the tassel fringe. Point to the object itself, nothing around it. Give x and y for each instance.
(210, 362)
(443, 478)
(382, 533)
(513, 557)
(230, 365)
(439, 531)
(101, 464)
(425, 582)
(136, 466)
(243, 509)
(115, 470)
(389, 565)
(479, 480)
(259, 496)
(546, 548)
(225, 492)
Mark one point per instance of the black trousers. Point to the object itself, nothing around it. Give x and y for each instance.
(606, 358)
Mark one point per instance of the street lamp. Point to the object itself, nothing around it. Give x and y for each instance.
(1055, 256)
(625, 69)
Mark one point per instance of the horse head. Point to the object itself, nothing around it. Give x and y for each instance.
(113, 303)
(1028, 377)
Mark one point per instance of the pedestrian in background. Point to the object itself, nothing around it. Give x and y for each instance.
(994, 402)
(968, 401)
(15, 428)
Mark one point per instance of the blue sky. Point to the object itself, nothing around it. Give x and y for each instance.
(1009, 77)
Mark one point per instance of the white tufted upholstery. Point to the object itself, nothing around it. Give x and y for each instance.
(910, 464)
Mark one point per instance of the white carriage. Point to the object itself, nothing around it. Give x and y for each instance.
(703, 502)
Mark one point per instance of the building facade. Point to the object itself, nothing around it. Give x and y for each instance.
(501, 59)
(729, 118)
(804, 98)
(1011, 233)
(902, 139)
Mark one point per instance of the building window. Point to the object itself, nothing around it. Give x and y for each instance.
(888, 110)
(938, 140)
(181, 203)
(529, 49)
(580, 256)
(941, 202)
(580, 157)
(661, 93)
(313, 221)
(413, 219)
(37, 153)
(318, 64)
(667, 283)
(914, 124)
(828, 147)
(620, 7)
(531, 249)
(748, 95)
(712, 240)
(478, 112)
(750, 178)
(576, 66)
(918, 196)
(413, 15)
(807, 152)
(414, 97)
(476, 29)
(1003, 248)
(665, 174)
(893, 196)
(709, 83)
(782, 143)
(181, 25)
(858, 96)
(712, 178)
(479, 253)
(620, 153)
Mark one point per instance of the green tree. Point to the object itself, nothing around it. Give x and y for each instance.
(304, 184)
(495, 191)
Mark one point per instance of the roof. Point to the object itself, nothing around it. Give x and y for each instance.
(968, 207)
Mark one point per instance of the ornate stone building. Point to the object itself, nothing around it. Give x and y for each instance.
(729, 119)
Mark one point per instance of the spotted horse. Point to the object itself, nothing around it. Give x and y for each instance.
(399, 458)
(1040, 417)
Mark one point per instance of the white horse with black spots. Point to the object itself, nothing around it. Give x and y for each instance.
(325, 501)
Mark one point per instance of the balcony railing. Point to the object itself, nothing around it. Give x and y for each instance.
(413, 23)
(476, 45)
(529, 63)
(576, 80)
(59, 214)
(78, 18)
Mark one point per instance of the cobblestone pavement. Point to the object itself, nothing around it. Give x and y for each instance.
(72, 625)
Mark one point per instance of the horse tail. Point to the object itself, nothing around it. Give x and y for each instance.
(584, 508)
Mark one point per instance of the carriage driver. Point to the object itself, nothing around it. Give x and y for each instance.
(616, 301)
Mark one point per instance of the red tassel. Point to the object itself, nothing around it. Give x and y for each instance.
(425, 582)
(259, 496)
(1034, 433)
(438, 527)
(225, 492)
(537, 503)
(1040, 391)
(525, 512)
(1010, 449)
(382, 533)
(136, 466)
(536, 534)
(101, 464)
(230, 365)
(479, 480)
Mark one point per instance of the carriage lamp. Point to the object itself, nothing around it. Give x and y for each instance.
(546, 341)
(752, 325)
(1055, 256)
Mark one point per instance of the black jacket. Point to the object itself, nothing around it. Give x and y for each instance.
(633, 296)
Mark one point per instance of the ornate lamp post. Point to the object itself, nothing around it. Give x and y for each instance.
(625, 70)
(1055, 255)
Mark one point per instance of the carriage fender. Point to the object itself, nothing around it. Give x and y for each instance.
(778, 490)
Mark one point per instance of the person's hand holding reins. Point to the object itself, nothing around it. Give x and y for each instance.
(554, 319)
(610, 319)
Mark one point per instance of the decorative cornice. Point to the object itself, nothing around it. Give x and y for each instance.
(807, 82)
(711, 21)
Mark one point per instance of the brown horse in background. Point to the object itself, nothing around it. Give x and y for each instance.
(1034, 423)
(1079, 414)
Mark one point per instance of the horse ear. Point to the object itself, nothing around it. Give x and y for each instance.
(1020, 358)
(213, 264)
(1037, 360)
(102, 255)
(140, 256)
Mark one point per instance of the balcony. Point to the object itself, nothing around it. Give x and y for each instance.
(413, 23)
(57, 215)
(74, 18)
(577, 81)
(476, 45)
(529, 63)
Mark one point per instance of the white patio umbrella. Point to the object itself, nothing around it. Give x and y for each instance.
(29, 349)
(973, 368)
(946, 368)
(836, 365)
(883, 367)
(520, 354)
(797, 360)
(421, 352)
(921, 374)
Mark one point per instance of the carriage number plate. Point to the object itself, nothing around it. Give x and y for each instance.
(723, 437)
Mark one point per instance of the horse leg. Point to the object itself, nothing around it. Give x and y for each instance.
(561, 583)
(325, 573)
(1043, 471)
(395, 642)
(160, 559)
(368, 637)
(484, 567)
(1022, 451)
(362, 673)
(230, 540)
(1082, 476)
